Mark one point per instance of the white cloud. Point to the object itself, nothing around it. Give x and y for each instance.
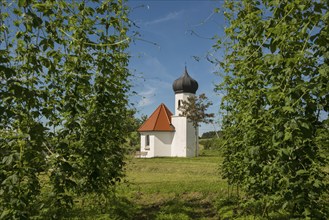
(155, 70)
(155, 82)
(147, 97)
(168, 17)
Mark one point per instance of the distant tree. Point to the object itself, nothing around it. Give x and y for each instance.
(211, 134)
(141, 120)
(133, 123)
(194, 108)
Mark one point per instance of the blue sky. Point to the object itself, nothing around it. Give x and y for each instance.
(172, 33)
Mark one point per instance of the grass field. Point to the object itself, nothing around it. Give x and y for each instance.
(168, 188)
(174, 188)
(155, 188)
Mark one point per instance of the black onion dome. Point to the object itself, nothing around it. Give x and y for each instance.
(185, 84)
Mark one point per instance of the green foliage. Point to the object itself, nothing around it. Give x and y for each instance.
(211, 144)
(276, 99)
(211, 134)
(194, 108)
(63, 101)
(133, 142)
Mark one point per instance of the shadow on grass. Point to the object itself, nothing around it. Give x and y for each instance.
(182, 206)
(119, 207)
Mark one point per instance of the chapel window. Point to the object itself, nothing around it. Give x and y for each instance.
(147, 140)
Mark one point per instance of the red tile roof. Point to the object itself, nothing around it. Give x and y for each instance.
(160, 120)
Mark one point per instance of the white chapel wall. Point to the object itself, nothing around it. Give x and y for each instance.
(159, 145)
(162, 143)
(143, 141)
(150, 148)
(191, 141)
(178, 148)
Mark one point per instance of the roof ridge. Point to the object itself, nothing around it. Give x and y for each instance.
(156, 121)
(167, 116)
(159, 120)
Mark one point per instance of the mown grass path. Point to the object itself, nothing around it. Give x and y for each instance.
(175, 188)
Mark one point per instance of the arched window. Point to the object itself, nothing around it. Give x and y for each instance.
(179, 103)
(147, 140)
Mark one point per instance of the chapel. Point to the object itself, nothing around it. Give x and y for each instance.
(165, 134)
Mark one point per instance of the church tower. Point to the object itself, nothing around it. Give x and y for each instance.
(184, 144)
(183, 87)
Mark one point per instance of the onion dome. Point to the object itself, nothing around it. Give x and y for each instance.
(185, 84)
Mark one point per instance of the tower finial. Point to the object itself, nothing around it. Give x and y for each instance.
(185, 67)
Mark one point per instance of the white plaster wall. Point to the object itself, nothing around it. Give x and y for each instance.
(179, 143)
(162, 143)
(184, 144)
(191, 143)
(149, 149)
(180, 96)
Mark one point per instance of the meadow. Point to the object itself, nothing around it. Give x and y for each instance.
(175, 188)
(168, 189)
(156, 188)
